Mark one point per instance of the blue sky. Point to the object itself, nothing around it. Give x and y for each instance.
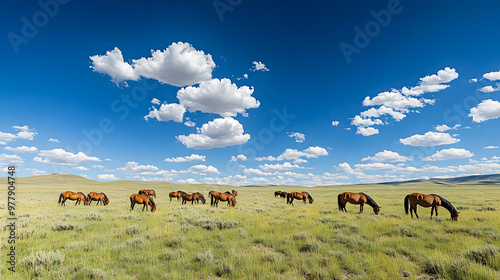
(251, 92)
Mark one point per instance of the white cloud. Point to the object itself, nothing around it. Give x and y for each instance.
(489, 89)
(367, 131)
(189, 123)
(22, 149)
(53, 140)
(486, 110)
(218, 96)
(429, 139)
(491, 147)
(335, 123)
(133, 167)
(156, 101)
(25, 133)
(359, 121)
(98, 166)
(449, 154)
(80, 168)
(257, 172)
(443, 127)
(191, 158)
(474, 80)
(480, 168)
(62, 157)
(6, 159)
(107, 177)
(278, 167)
(221, 132)
(203, 169)
(259, 66)
(188, 181)
(383, 110)
(35, 171)
(375, 166)
(387, 156)
(239, 157)
(299, 137)
(296, 155)
(393, 99)
(492, 76)
(179, 65)
(167, 112)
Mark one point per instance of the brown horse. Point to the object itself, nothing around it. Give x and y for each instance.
(429, 200)
(227, 196)
(177, 194)
(299, 195)
(99, 197)
(211, 195)
(284, 194)
(79, 196)
(148, 192)
(357, 198)
(142, 199)
(277, 193)
(194, 197)
(234, 193)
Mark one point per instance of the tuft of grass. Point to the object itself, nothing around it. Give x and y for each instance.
(133, 230)
(486, 255)
(41, 261)
(204, 258)
(224, 270)
(94, 217)
(62, 226)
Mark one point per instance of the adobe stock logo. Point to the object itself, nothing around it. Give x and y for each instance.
(372, 29)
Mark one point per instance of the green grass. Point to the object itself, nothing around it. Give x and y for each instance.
(261, 238)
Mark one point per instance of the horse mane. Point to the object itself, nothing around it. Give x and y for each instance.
(84, 195)
(446, 204)
(370, 200)
(202, 197)
(229, 193)
(152, 201)
(310, 196)
(106, 196)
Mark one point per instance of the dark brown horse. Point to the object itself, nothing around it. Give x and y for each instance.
(148, 192)
(142, 199)
(300, 196)
(79, 196)
(357, 198)
(211, 195)
(429, 200)
(99, 197)
(227, 196)
(194, 197)
(277, 193)
(284, 194)
(177, 194)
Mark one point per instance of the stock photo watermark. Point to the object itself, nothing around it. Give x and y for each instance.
(223, 6)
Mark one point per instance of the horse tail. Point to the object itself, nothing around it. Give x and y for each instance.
(407, 201)
(60, 198)
(339, 200)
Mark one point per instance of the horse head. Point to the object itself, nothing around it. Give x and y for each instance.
(153, 208)
(376, 210)
(454, 216)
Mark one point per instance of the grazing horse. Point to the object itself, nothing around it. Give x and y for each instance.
(142, 199)
(194, 197)
(79, 196)
(277, 193)
(99, 197)
(301, 196)
(357, 198)
(234, 193)
(284, 195)
(429, 200)
(227, 196)
(148, 192)
(177, 194)
(201, 197)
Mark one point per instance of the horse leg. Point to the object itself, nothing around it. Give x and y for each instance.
(416, 212)
(436, 210)
(432, 211)
(411, 212)
(361, 208)
(132, 206)
(143, 207)
(291, 201)
(77, 201)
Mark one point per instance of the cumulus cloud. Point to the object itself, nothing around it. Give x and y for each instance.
(486, 110)
(179, 65)
(167, 112)
(489, 89)
(383, 110)
(449, 154)
(53, 140)
(491, 147)
(62, 157)
(367, 131)
(6, 159)
(387, 156)
(80, 168)
(221, 132)
(259, 66)
(278, 167)
(22, 149)
(156, 101)
(24, 133)
(335, 123)
(256, 172)
(375, 166)
(189, 123)
(296, 155)
(191, 158)
(218, 96)
(443, 127)
(188, 181)
(492, 76)
(239, 157)
(299, 137)
(107, 177)
(203, 169)
(429, 139)
(35, 171)
(135, 168)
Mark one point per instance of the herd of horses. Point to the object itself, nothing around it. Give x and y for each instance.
(145, 197)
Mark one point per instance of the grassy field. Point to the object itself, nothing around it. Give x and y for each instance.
(261, 238)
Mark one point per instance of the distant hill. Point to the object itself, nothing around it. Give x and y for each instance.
(465, 180)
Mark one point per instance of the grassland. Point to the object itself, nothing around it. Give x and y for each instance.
(262, 238)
